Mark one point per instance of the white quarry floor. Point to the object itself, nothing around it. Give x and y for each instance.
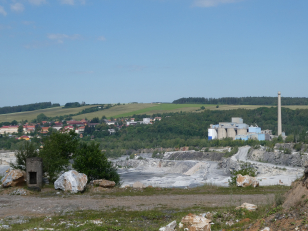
(203, 172)
(270, 174)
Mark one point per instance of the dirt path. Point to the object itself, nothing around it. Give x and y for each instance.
(43, 206)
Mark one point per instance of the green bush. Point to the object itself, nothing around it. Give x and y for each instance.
(298, 146)
(26, 150)
(246, 169)
(57, 151)
(90, 160)
(233, 151)
(287, 151)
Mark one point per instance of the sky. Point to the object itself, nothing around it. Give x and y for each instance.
(111, 51)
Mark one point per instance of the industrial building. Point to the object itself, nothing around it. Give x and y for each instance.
(237, 130)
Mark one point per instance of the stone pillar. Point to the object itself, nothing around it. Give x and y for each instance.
(279, 114)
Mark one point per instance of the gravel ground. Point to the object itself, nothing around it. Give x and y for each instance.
(45, 206)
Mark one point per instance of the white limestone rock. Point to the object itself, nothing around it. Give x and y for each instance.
(14, 178)
(169, 227)
(71, 181)
(249, 207)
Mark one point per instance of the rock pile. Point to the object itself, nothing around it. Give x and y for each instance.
(71, 181)
(14, 178)
(245, 181)
(104, 183)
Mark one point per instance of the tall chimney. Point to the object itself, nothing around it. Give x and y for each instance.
(279, 114)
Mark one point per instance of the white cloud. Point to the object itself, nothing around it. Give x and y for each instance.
(61, 37)
(17, 7)
(101, 38)
(37, 2)
(211, 3)
(72, 2)
(2, 11)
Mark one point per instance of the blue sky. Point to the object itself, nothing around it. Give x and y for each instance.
(110, 51)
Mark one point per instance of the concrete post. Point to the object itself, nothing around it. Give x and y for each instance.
(279, 114)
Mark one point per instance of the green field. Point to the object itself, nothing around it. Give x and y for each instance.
(50, 112)
(146, 108)
(128, 110)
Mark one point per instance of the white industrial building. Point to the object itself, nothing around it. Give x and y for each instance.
(237, 130)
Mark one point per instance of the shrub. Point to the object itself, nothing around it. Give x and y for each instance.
(90, 160)
(57, 151)
(287, 151)
(246, 169)
(233, 151)
(25, 150)
(298, 146)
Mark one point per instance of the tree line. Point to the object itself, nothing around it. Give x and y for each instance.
(27, 107)
(244, 100)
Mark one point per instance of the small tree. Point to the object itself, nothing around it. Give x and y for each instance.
(25, 150)
(20, 129)
(246, 169)
(56, 152)
(90, 160)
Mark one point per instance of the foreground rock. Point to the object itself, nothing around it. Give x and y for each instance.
(104, 183)
(245, 181)
(71, 181)
(196, 223)
(169, 227)
(14, 178)
(249, 207)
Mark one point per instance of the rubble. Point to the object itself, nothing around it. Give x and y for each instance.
(104, 183)
(14, 178)
(266, 229)
(245, 181)
(196, 223)
(249, 207)
(71, 181)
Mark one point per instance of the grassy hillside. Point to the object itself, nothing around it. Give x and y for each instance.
(147, 108)
(127, 110)
(50, 112)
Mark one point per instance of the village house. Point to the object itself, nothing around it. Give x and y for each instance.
(67, 128)
(9, 129)
(24, 138)
(28, 128)
(76, 123)
(44, 130)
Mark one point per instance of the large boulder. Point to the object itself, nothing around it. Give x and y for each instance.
(196, 223)
(71, 181)
(104, 183)
(245, 181)
(14, 178)
(249, 207)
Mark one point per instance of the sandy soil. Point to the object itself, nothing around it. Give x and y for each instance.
(58, 204)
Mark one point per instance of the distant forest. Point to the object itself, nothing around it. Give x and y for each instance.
(27, 107)
(243, 100)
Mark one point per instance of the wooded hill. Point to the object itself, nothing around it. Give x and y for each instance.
(244, 100)
(27, 107)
